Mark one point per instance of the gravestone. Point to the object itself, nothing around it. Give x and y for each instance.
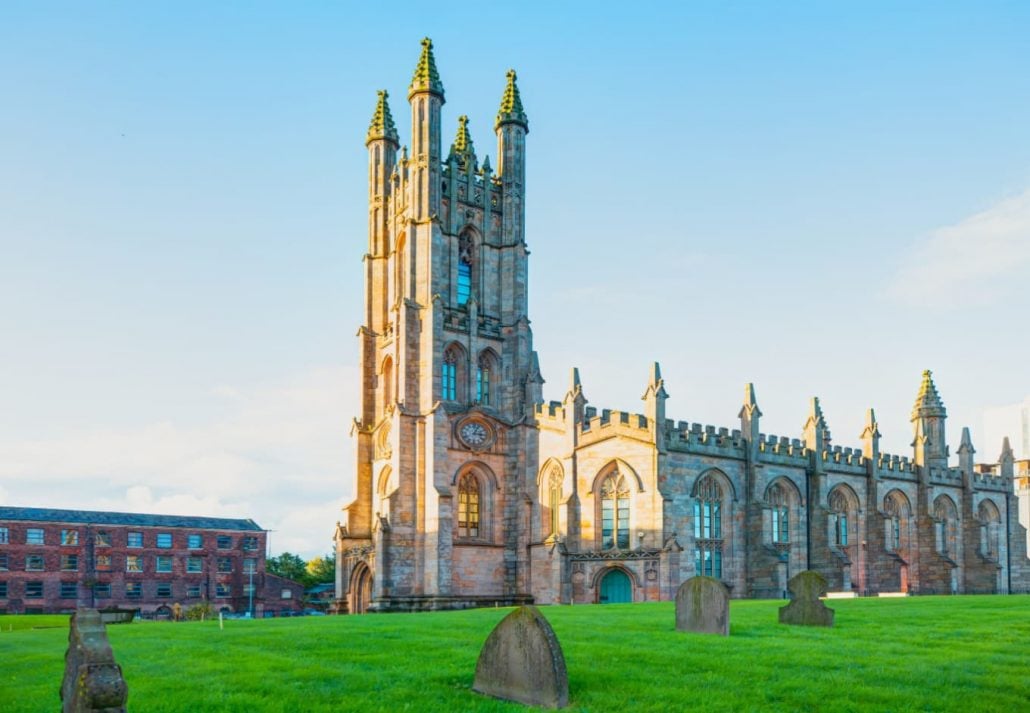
(522, 661)
(93, 682)
(703, 606)
(806, 608)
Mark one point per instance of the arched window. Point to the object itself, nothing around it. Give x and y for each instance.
(387, 381)
(465, 259)
(554, 499)
(614, 512)
(484, 379)
(946, 525)
(990, 522)
(839, 521)
(708, 528)
(896, 508)
(452, 374)
(779, 504)
(468, 506)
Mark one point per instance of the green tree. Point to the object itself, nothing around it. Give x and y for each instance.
(290, 566)
(322, 570)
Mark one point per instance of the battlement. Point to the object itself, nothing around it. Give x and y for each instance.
(946, 476)
(623, 419)
(992, 481)
(697, 437)
(552, 411)
(845, 456)
(893, 464)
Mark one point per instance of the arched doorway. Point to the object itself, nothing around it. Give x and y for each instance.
(616, 588)
(360, 589)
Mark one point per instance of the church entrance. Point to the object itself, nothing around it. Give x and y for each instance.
(616, 588)
(360, 589)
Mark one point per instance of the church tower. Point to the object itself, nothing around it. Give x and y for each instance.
(446, 442)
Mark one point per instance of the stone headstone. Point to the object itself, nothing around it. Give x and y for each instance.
(806, 608)
(703, 606)
(93, 682)
(522, 661)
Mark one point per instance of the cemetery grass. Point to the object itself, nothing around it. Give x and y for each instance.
(920, 653)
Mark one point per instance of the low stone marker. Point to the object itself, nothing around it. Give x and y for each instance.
(806, 608)
(93, 682)
(522, 661)
(703, 606)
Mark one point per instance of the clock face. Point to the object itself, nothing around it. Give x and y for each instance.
(474, 434)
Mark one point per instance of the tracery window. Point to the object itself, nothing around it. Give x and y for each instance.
(708, 528)
(484, 373)
(839, 507)
(464, 268)
(468, 506)
(990, 522)
(614, 512)
(779, 503)
(946, 525)
(554, 499)
(895, 507)
(451, 371)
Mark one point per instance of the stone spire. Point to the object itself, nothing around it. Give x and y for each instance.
(817, 433)
(511, 111)
(749, 417)
(382, 126)
(426, 78)
(928, 401)
(871, 437)
(965, 454)
(750, 406)
(1007, 459)
(654, 405)
(462, 148)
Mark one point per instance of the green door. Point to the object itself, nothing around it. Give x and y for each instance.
(616, 588)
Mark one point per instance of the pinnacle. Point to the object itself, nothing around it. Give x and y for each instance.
(426, 78)
(462, 147)
(967, 442)
(382, 126)
(511, 111)
(750, 407)
(928, 401)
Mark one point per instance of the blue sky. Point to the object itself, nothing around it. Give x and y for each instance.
(822, 198)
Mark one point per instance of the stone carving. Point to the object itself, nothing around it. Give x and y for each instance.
(703, 606)
(806, 608)
(522, 661)
(93, 682)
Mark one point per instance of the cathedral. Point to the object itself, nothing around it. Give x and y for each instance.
(472, 491)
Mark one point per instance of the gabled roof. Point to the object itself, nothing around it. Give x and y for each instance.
(93, 517)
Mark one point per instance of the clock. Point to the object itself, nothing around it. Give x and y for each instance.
(474, 434)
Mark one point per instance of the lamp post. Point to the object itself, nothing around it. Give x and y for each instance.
(251, 591)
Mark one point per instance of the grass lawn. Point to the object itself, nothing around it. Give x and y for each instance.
(922, 653)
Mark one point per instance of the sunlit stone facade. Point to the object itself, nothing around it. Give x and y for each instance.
(472, 491)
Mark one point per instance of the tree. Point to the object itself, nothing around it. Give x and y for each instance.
(322, 570)
(290, 566)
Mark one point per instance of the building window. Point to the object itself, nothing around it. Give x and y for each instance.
(990, 522)
(250, 544)
(223, 590)
(224, 542)
(249, 565)
(133, 590)
(34, 536)
(33, 590)
(896, 509)
(3, 590)
(194, 565)
(163, 563)
(103, 563)
(840, 508)
(4, 563)
(69, 537)
(34, 563)
(102, 590)
(286, 594)
(69, 563)
(5, 536)
(69, 590)
(946, 515)
(468, 506)
(449, 375)
(133, 563)
(708, 510)
(708, 562)
(164, 540)
(484, 376)
(248, 589)
(134, 539)
(193, 591)
(779, 506)
(195, 542)
(465, 249)
(614, 513)
(225, 564)
(554, 499)
(164, 589)
(102, 539)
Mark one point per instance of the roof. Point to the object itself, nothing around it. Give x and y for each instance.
(93, 517)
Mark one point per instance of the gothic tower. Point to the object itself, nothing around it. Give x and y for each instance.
(446, 446)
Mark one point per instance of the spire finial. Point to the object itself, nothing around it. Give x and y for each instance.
(426, 78)
(1006, 451)
(511, 111)
(928, 401)
(462, 147)
(382, 126)
(966, 446)
(750, 408)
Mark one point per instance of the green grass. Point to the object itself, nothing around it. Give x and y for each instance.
(926, 654)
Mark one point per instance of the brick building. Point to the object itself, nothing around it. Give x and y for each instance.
(57, 560)
(471, 490)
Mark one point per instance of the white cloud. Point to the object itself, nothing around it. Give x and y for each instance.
(281, 455)
(975, 261)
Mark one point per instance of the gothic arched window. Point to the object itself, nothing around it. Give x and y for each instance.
(839, 507)
(387, 381)
(484, 378)
(779, 503)
(990, 522)
(468, 506)
(896, 508)
(452, 374)
(946, 525)
(465, 260)
(554, 499)
(614, 512)
(708, 528)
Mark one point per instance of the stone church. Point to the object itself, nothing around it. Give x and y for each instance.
(472, 491)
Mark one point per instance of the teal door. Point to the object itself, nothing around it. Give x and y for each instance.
(616, 588)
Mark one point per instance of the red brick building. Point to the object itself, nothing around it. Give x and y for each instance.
(57, 560)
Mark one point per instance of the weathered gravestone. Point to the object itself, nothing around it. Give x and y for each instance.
(805, 608)
(522, 661)
(93, 682)
(703, 606)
